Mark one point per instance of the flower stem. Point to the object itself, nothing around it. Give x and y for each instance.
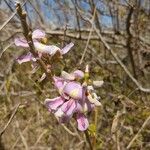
(88, 139)
(28, 36)
(95, 122)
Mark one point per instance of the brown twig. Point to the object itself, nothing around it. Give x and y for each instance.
(7, 47)
(89, 37)
(136, 136)
(24, 141)
(147, 90)
(6, 22)
(88, 139)
(10, 119)
(129, 40)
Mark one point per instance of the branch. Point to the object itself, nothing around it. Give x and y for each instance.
(28, 35)
(136, 136)
(6, 22)
(7, 47)
(10, 119)
(129, 40)
(118, 60)
(88, 139)
(89, 37)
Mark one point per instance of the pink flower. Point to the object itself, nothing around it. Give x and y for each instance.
(75, 99)
(38, 35)
(74, 90)
(82, 122)
(77, 74)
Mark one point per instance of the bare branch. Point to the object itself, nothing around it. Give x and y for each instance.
(10, 119)
(6, 22)
(118, 60)
(140, 130)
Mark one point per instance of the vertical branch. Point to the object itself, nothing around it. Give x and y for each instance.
(95, 122)
(8, 5)
(28, 35)
(137, 32)
(36, 8)
(11, 118)
(89, 37)
(129, 40)
(93, 6)
(88, 139)
(117, 18)
(77, 18)
(110, 5)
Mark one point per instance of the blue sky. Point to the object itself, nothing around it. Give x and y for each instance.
(49, 15)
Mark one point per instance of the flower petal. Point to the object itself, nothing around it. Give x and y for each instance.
(79, 108)
(88, 106)
(38, 34)
(94, 99)
(50, 49)
(66, 48)
(21, 42)
(74, 90)
(59, 113)
(78, 74)
(82, 122)
(59, 83)
(25, 58)
(69, 107)
(54, 103)
(67, 76)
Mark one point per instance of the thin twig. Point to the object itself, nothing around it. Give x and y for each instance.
(95, 122)
(89, 37)
(22, 137)
(10, 119)
(129, 39)
(88, 139)
(76, 131)
(6, 22)
(7, 47)
(39, 138)
(136, 136)
(118, 60)
(18, 138)
(37, 11)
(124, 67)
(69, 131)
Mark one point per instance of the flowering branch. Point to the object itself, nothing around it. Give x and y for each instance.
(77, 96)
(28, 35)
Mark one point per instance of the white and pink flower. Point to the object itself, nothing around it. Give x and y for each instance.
(41, 48)
(75, 99)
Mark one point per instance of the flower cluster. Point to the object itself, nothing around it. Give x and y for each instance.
(38, 37)
(75, 99)
(76, 94)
